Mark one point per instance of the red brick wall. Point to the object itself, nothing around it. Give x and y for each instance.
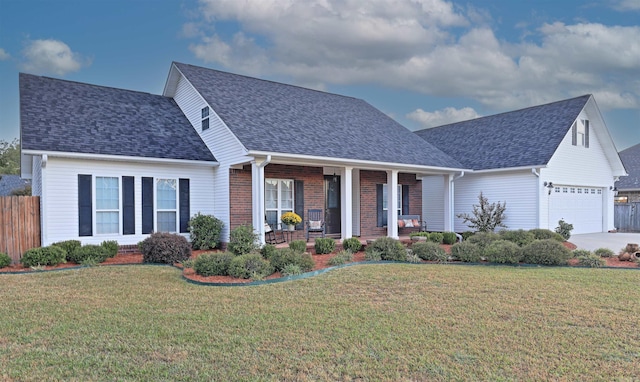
(240, 197)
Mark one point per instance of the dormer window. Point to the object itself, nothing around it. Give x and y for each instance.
(205, 118)
(580, 133)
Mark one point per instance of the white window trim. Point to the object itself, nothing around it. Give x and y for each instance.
(202, 119)
(279, 210)
(95, 205)
(385, 195)
(155, 204)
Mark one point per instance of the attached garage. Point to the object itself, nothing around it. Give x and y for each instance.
(577, 205)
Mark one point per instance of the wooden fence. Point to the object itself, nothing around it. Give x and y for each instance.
(19, 225)
(626, 217)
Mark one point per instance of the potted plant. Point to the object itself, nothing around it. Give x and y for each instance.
(291, 219)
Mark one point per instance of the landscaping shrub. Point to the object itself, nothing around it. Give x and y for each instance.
(544, 234)
(268, 250)
(371, 254)
(352, 244)
(412, 257)
(503, 252)
(298, 246)
(449, 238)
(213, 264)
(291, 270)
(467, 234)
(591, 260)
(5, 260)
(564, 229)
(388, 249)
(325, 245)
(88, 254)
(483, 239)
(341, 258)
(436, 237)
(425, 234)
(466, 251)
(204, 231)
(164, 247)
(111, 246)
(486, 216)
(429, 251)
(581, 252)
(242, 240)
(519, 236)
(546, 252)
(604, 252)
(286, 256)
(51, 255)
(69, 246)
(251, 265)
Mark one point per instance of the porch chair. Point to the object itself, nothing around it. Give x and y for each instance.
(272, 236)
(315, 223)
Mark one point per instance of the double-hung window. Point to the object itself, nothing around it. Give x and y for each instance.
(205, 118)
(166, 205)
(385, 196)
(107, 205)
(278, 198)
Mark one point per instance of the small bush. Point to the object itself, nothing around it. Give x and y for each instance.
(564, 229)
(213, 264)
(242, 240)
(291, 270)
(372, 254)
(486, 216)
(204, 231)
(5, 260)
(436, 237)
(503, 252)
(325, 245)
(69, 246)
(51, 255)
(425, 234)
(298, 246)
(467, 234)
(251, 265)
(519, 236)
(412, 257)
(581, 252)
(544, 234)
(591, 260)
(268, 250)
(429, 251)
(341, 258)
(388, 248)
(466, 251)
(111, 246)
(483, 239)
(352, 244)
(546, 252)
(88, 254)
(164, 247)
(603, 252)
(285, 256)
(449, 238)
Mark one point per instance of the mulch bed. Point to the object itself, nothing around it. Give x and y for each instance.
(320, 263)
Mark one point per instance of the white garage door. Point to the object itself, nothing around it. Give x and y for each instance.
(580, 206)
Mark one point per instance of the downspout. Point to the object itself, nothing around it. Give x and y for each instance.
(452, 197)
(535, 172)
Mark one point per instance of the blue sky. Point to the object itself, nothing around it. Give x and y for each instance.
(424, 62)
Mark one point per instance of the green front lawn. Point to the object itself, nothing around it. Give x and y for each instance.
(367, 322)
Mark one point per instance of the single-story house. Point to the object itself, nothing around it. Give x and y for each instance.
(629, 187)
(114, 164)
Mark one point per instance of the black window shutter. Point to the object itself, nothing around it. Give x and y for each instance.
(128, 206)
(147, 205)
(185, 213)
(85, 206)
(381, 215)
(574, 134)
(586, 133)
(298, 195)
(405, 199)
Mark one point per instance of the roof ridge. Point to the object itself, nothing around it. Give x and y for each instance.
(88, 84)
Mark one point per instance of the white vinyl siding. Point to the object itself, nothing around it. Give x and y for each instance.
(433, 205)
(107, 205)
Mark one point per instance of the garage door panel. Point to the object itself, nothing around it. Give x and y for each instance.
(580, 206)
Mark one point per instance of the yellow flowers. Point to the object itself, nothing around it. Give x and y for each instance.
(291, 218)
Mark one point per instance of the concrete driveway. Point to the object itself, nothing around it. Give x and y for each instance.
(613, 241)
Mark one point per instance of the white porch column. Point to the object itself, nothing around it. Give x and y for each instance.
(392, 204)
(257, 199)
(347, 203)
(448, 202)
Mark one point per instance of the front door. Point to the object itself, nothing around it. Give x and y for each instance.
(332, 215)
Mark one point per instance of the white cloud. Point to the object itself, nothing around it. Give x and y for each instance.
(51, 56)
(4, 55)
(442, 117)
(627, 5)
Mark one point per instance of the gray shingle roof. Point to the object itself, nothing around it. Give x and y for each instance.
(66, 116)
(526, 137)
(9, 183)
(275, 117)
(631, 159)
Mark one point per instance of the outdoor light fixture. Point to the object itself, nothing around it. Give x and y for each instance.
(614, 189)
(335, 178)
(549, 185)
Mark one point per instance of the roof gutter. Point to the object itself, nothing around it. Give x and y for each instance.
(532, 168)
(119, 158)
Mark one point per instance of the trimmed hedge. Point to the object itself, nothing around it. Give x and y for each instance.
(544, 234)
(324, 245)
(436, 237)
(503, 252)
(298, 246)
(242, 240)
(546, 252)
(352, 244)
(166, 248)
(69, 247)
(286, 256)
(251, 265)
(204, 231)
(268, 251)
(449, 237)
(429, 251)
(111, 246)
(51, 255)
(5, 260)
(483, 239)
(519, 237)
(213, 264)
(386, 248)
(467, 252)
(88, 253)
